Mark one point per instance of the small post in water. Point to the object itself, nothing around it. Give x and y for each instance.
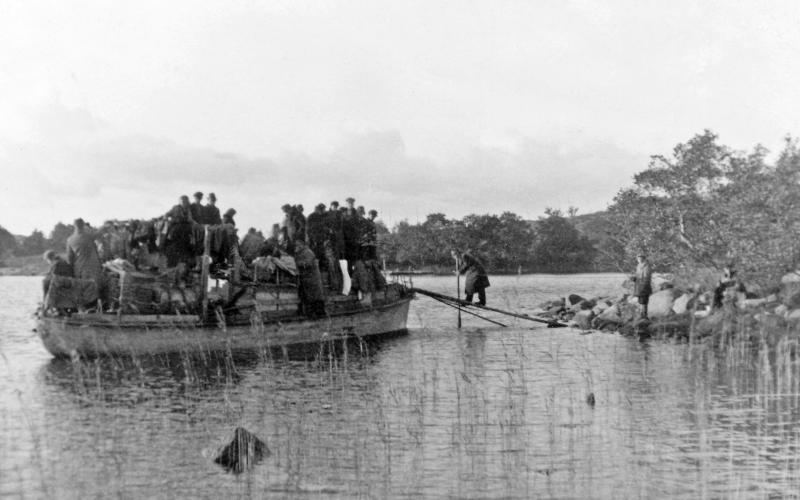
(458, 286)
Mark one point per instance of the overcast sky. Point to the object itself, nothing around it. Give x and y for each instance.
(114, 109)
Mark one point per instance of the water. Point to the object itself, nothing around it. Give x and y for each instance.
(481, 412)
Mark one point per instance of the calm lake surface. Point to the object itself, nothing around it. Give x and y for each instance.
(480, 412)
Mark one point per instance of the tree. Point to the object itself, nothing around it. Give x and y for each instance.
(33, 244)
(59, 235)
(560, 247)
(8, 244)
(708, 206)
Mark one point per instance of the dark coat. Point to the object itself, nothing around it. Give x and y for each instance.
(211, 215)
(82, 256)
(310, 289)
(334, 232)
(475, 274)
(642, 280)
(58, 268)
(198, 212)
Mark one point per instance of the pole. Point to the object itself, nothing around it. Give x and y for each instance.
(549, 322)
(458, 288)
(204, 270)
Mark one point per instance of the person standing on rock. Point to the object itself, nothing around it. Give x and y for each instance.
(641, 282)
(476, 280)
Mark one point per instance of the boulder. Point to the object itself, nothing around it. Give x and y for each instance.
(242, 452)
(791, 277)
(573, 299)
(753, 303)
(609, 318)
(581, 306)
(660, 304)
(793, 316)
(682, 304)
(781, 311)
(661, 281)
(583, 319)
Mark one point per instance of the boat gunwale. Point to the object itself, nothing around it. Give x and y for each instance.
(193, 321)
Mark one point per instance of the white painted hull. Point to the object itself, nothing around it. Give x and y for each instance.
(110, 335)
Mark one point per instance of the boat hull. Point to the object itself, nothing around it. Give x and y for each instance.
(108, 335)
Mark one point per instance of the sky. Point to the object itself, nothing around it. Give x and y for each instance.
(115, 109)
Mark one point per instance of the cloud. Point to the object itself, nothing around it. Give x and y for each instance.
(78, 165)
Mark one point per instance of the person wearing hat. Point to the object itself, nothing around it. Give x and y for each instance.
(58, 267)
(642, 287)
(197, 209)
(315, 230)
(227, 217)
(211, 212)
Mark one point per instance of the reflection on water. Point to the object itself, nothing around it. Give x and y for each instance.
(481, 412)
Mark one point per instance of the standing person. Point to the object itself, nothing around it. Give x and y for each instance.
(227, 217)
(334, 230)
(476, 280)
(211, 212)
(197, 209)
(179, 246)
(310, 291)
(315, 230)
(641, 282)
(82, 256)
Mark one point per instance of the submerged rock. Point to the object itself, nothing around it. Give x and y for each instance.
(244, 451)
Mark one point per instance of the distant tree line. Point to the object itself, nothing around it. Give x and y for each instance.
(505, 243)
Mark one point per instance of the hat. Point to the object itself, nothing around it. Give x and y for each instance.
(350, 200)
(373, 212)
(212, 196)
(79, 222)
(286, 207)
(230, 212)
(334, 203)
(320, 206)
(49, 255)
(198, 194)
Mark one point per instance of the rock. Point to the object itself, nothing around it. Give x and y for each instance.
(581, 306)
(781, 311)
(753, 303)
(791, 277)
(243, 451)
(793, 316)
(583, 319)
(633, 299)
(573, 299)
(682, 304)
(660, 304)
(661, 281)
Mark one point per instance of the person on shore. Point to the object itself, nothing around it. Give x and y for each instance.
(58, 267)
(729, 285)
(211, 212)
(642, 287)
(197, 209)
(476, 279)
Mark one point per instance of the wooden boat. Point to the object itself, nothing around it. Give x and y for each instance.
(271, 320)
(243, 316)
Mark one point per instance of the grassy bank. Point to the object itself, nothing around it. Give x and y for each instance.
(28, 265)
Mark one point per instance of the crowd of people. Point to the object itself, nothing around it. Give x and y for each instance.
(332, 246)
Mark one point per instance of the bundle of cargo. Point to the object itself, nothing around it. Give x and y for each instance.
(136, 292)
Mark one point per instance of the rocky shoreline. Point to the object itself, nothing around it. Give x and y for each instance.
(687, 314)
